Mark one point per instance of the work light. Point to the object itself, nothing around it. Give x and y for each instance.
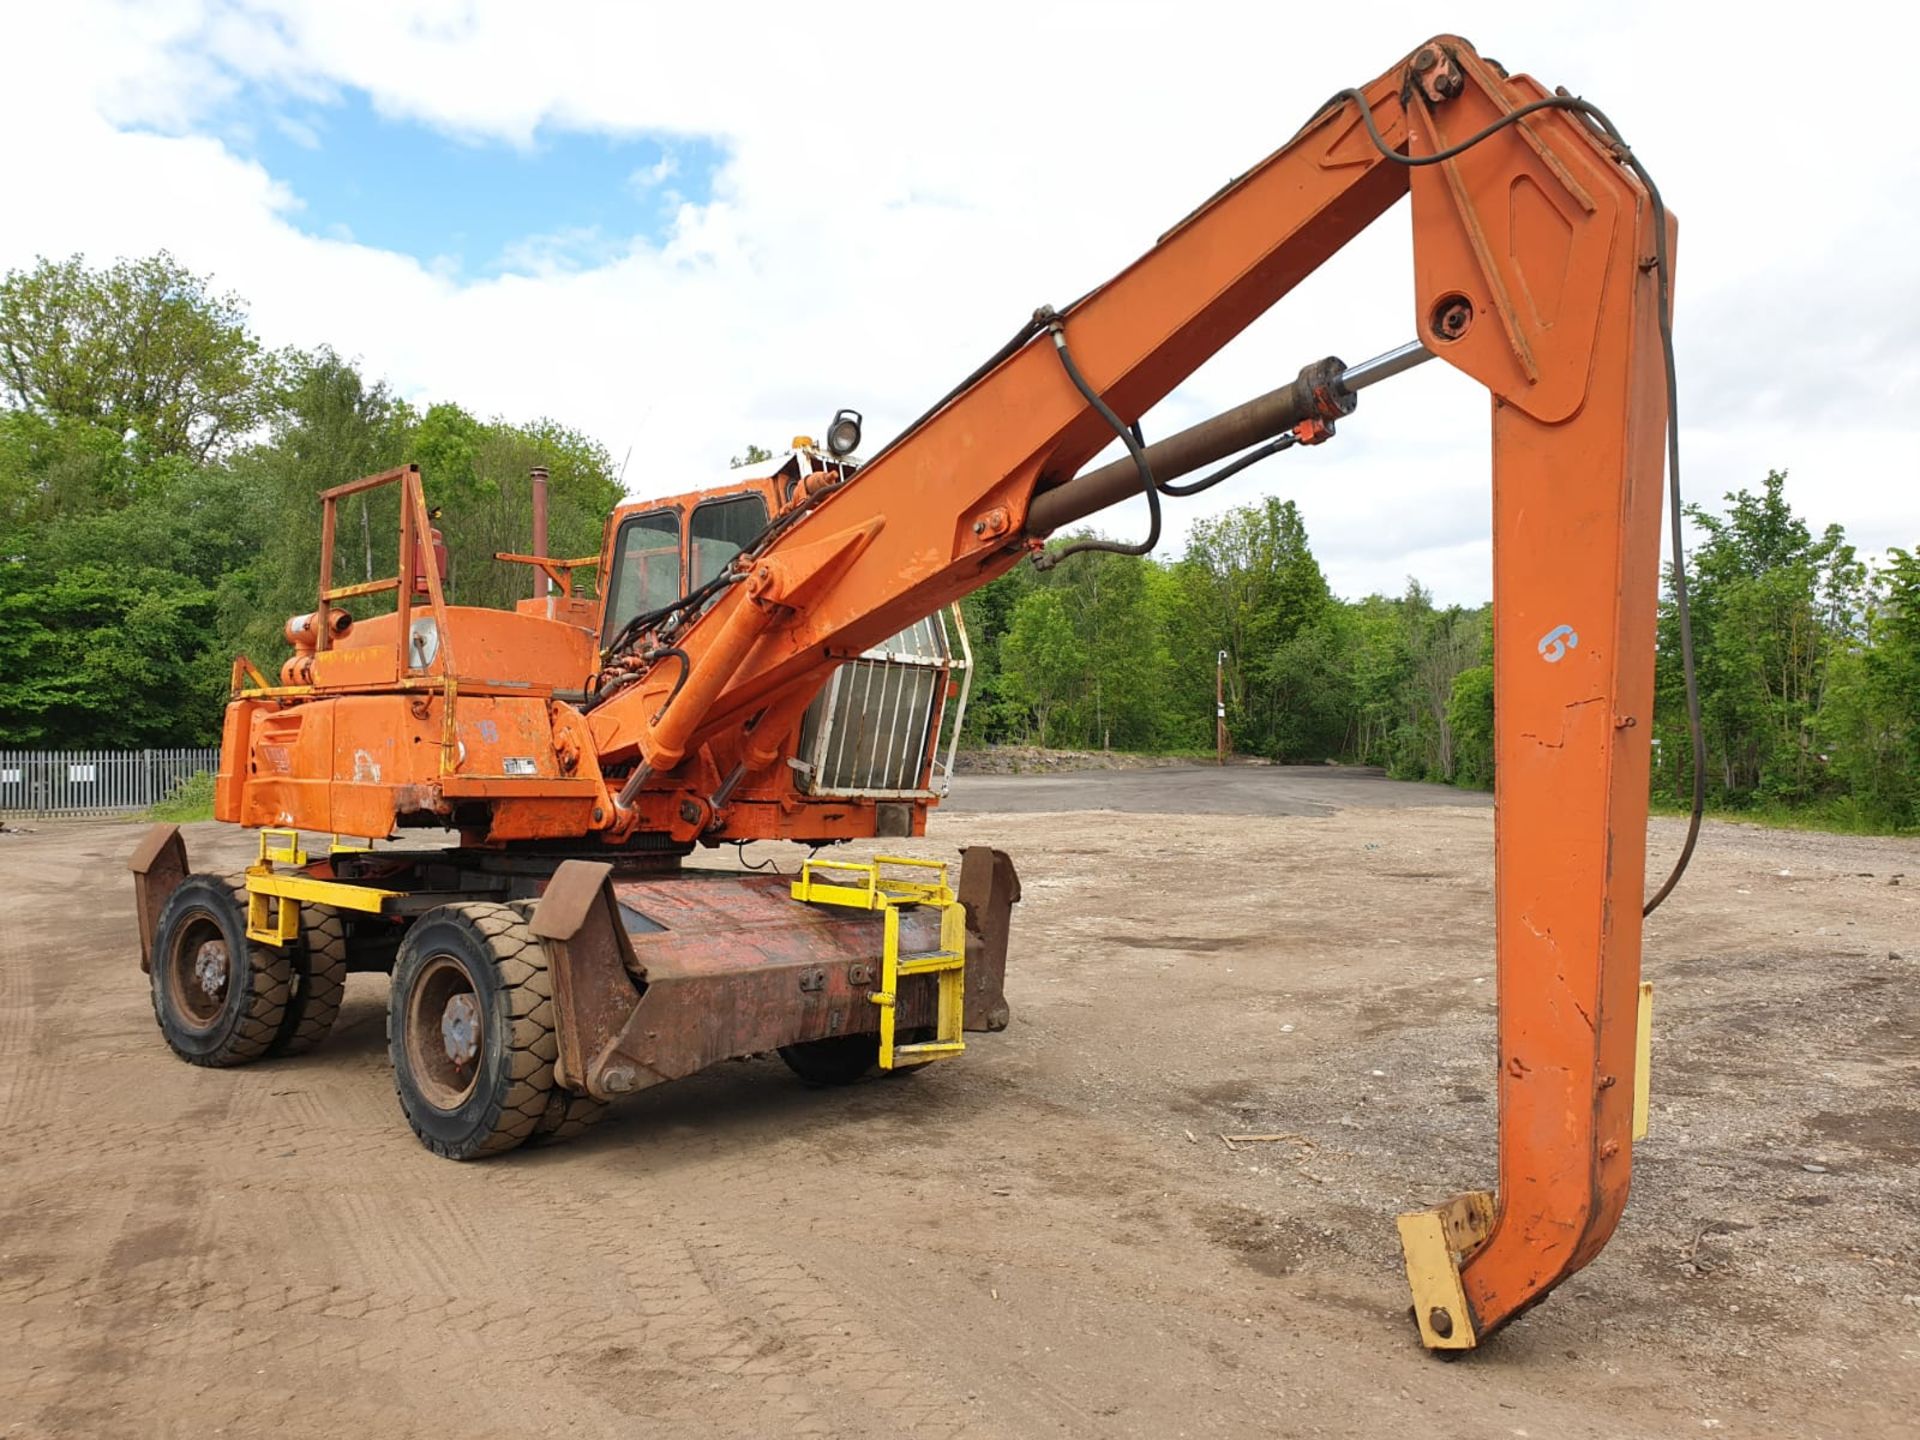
(843, 435)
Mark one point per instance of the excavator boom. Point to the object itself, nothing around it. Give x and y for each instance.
(1541, 270)
(1534, 274)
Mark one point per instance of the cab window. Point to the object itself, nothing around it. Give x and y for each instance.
(720, 530)
(646, 568)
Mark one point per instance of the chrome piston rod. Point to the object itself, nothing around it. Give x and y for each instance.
(1325, 390)
(1396, 361)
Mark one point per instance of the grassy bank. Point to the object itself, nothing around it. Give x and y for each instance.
(1839, 816)
(192, 799)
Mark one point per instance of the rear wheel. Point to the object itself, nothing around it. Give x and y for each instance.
(319, 981)
(470, 1030)
(839, 1060)
(219, 998)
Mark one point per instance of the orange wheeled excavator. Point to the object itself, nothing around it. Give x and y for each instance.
(771, 661)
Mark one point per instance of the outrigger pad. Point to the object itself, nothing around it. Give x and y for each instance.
(989, 888)
(159, 864)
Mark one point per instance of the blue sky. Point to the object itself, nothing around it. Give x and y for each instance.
(469, 207)
(880, 224)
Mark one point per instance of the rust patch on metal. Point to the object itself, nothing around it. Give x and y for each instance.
(989, 888)
(588, 961)
(159, 864)
(735, 966)
(690, 1021)
(657, 978)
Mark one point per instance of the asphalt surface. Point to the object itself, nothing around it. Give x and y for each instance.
(1202, 790)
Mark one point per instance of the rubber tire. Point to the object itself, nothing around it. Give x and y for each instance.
(251, 1014)
(837, 1060)
(507, 968)
(568, 1113)
(319, 981)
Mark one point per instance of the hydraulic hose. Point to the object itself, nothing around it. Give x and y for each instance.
(1136, 452)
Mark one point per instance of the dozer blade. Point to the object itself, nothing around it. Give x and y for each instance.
(657, 978)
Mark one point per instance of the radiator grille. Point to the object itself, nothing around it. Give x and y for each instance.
(870, 731)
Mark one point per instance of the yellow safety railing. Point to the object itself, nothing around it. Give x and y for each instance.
(866, 885)
(274, 899)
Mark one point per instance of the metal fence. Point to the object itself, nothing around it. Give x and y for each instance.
(95, 782)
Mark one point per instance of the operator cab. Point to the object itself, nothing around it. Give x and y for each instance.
(874, 729)
(666, 550)
(662, 552)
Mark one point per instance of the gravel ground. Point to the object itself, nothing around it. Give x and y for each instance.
(1045, 1237)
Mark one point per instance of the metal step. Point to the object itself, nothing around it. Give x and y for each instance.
(865, 885)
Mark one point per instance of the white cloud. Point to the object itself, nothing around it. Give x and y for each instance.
(902, 187)
(652, 177)
(572, 247)
(306, 136)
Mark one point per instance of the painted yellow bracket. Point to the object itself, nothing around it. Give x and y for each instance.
(1436, 1243)
(286, 852)
(1642, 1060)
(274, 899)
(865, 885)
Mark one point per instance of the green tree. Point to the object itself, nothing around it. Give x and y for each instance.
(993, 713)
(1314, 680)
(1470, 716)
(1254, 572)
(496, 513)
(1041, 658)
(105, 656)
(1435, 646)
(1871, 719)
(336, 426)
(1893, 672)
(52, 467)
(143, 350)
(1772, 608)
(333, 426)
(1111, 602)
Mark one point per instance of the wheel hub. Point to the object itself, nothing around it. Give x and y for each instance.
(460, 1029)
(210, 968)
(446, 1032)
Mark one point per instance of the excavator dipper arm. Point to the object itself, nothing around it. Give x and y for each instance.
(1534, 273)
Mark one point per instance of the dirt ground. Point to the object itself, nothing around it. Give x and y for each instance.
(1043, 1238)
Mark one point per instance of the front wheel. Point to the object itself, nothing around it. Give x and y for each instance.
(568, 1113)
(470, 1030)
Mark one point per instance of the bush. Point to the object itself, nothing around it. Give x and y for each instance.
(192, 799)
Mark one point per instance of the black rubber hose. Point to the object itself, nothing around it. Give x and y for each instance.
(672, 652)
(1180, 489)
(1130, 437)
(1231, 468)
